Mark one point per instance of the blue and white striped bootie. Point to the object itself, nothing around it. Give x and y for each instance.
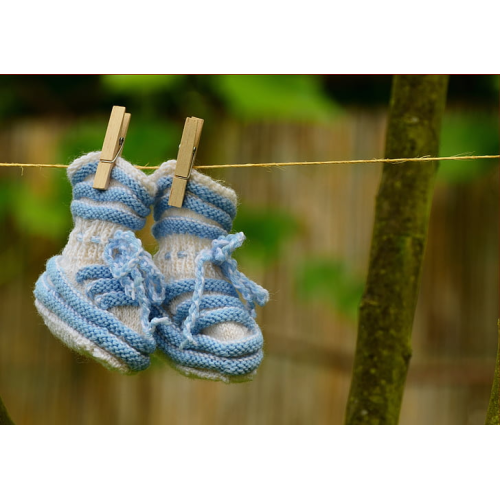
(97, 296)
(206, 330)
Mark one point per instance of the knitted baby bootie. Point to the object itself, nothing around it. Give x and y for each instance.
(96, 296)
(206, 330)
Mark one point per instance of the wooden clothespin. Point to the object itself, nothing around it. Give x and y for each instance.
(185, 160)
(112, 147)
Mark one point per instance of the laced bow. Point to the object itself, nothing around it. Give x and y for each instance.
(136, 272)
(220, 254)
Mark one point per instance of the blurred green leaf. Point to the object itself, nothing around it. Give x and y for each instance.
(12, 263)
(45, 214)
(496, 82)
(139, 84)
(276, 97)
(472, 134)
(267, 231)
(329, 281)
(7, 101)
(6, 187)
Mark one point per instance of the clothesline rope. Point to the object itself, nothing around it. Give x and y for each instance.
(287, 164)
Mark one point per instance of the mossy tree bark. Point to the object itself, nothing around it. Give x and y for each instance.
(493, 415)
(402, 213)
(4, 415)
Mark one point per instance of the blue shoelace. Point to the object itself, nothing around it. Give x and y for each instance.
(130, 278)
(220, 255)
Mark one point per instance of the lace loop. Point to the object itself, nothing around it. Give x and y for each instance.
(220, 255)
(136, 272)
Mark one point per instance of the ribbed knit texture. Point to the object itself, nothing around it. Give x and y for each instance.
(97, 295)
(208, 331)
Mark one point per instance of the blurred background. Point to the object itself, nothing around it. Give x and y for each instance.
(308, 237)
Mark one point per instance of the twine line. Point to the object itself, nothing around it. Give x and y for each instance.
(287, 164)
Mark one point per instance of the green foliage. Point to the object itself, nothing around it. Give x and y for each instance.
(31, 211)
(7, 101)
(329, 281)
(495, 81)
(139, 84)
(267, 230)
(470, 134)
(275, 97)
(42, 213)
(5, 198)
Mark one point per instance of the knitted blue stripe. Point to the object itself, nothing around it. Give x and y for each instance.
(136, 280)
(140, 191)
(236, 314)
(100, 336)
(112, 194)
(118, 175)
(225, 365)
(187, 286)
(93, 272)
(181, 225)
(102, 286)
(93, 314)
(171, 334)
(93, 212)
(198, 206)
(114, 299)
(83, 172)
(207, 302)
(203, 192)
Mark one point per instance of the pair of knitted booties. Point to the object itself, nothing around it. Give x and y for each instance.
(107, 298)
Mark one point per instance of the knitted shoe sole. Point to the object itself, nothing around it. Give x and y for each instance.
(65, 305)
(77, 342)
(209, 375)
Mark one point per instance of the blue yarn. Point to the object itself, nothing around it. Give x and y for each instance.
(93, 272)
(196, 205)
(220, 254)
(88, 310)
(135, 270)
(202, 192)
(180, 287)
(93, 212)
(115, 299)
(169, 335)
(112, 194)
(219, 363)
(131, 195)
(117, 346)
(118, 175)
(100, 286)
(209, 318)
(207, 302)
(184, 225)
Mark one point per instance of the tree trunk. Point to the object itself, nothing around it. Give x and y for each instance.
(402, 213)
(4, 416)
(493, 415)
